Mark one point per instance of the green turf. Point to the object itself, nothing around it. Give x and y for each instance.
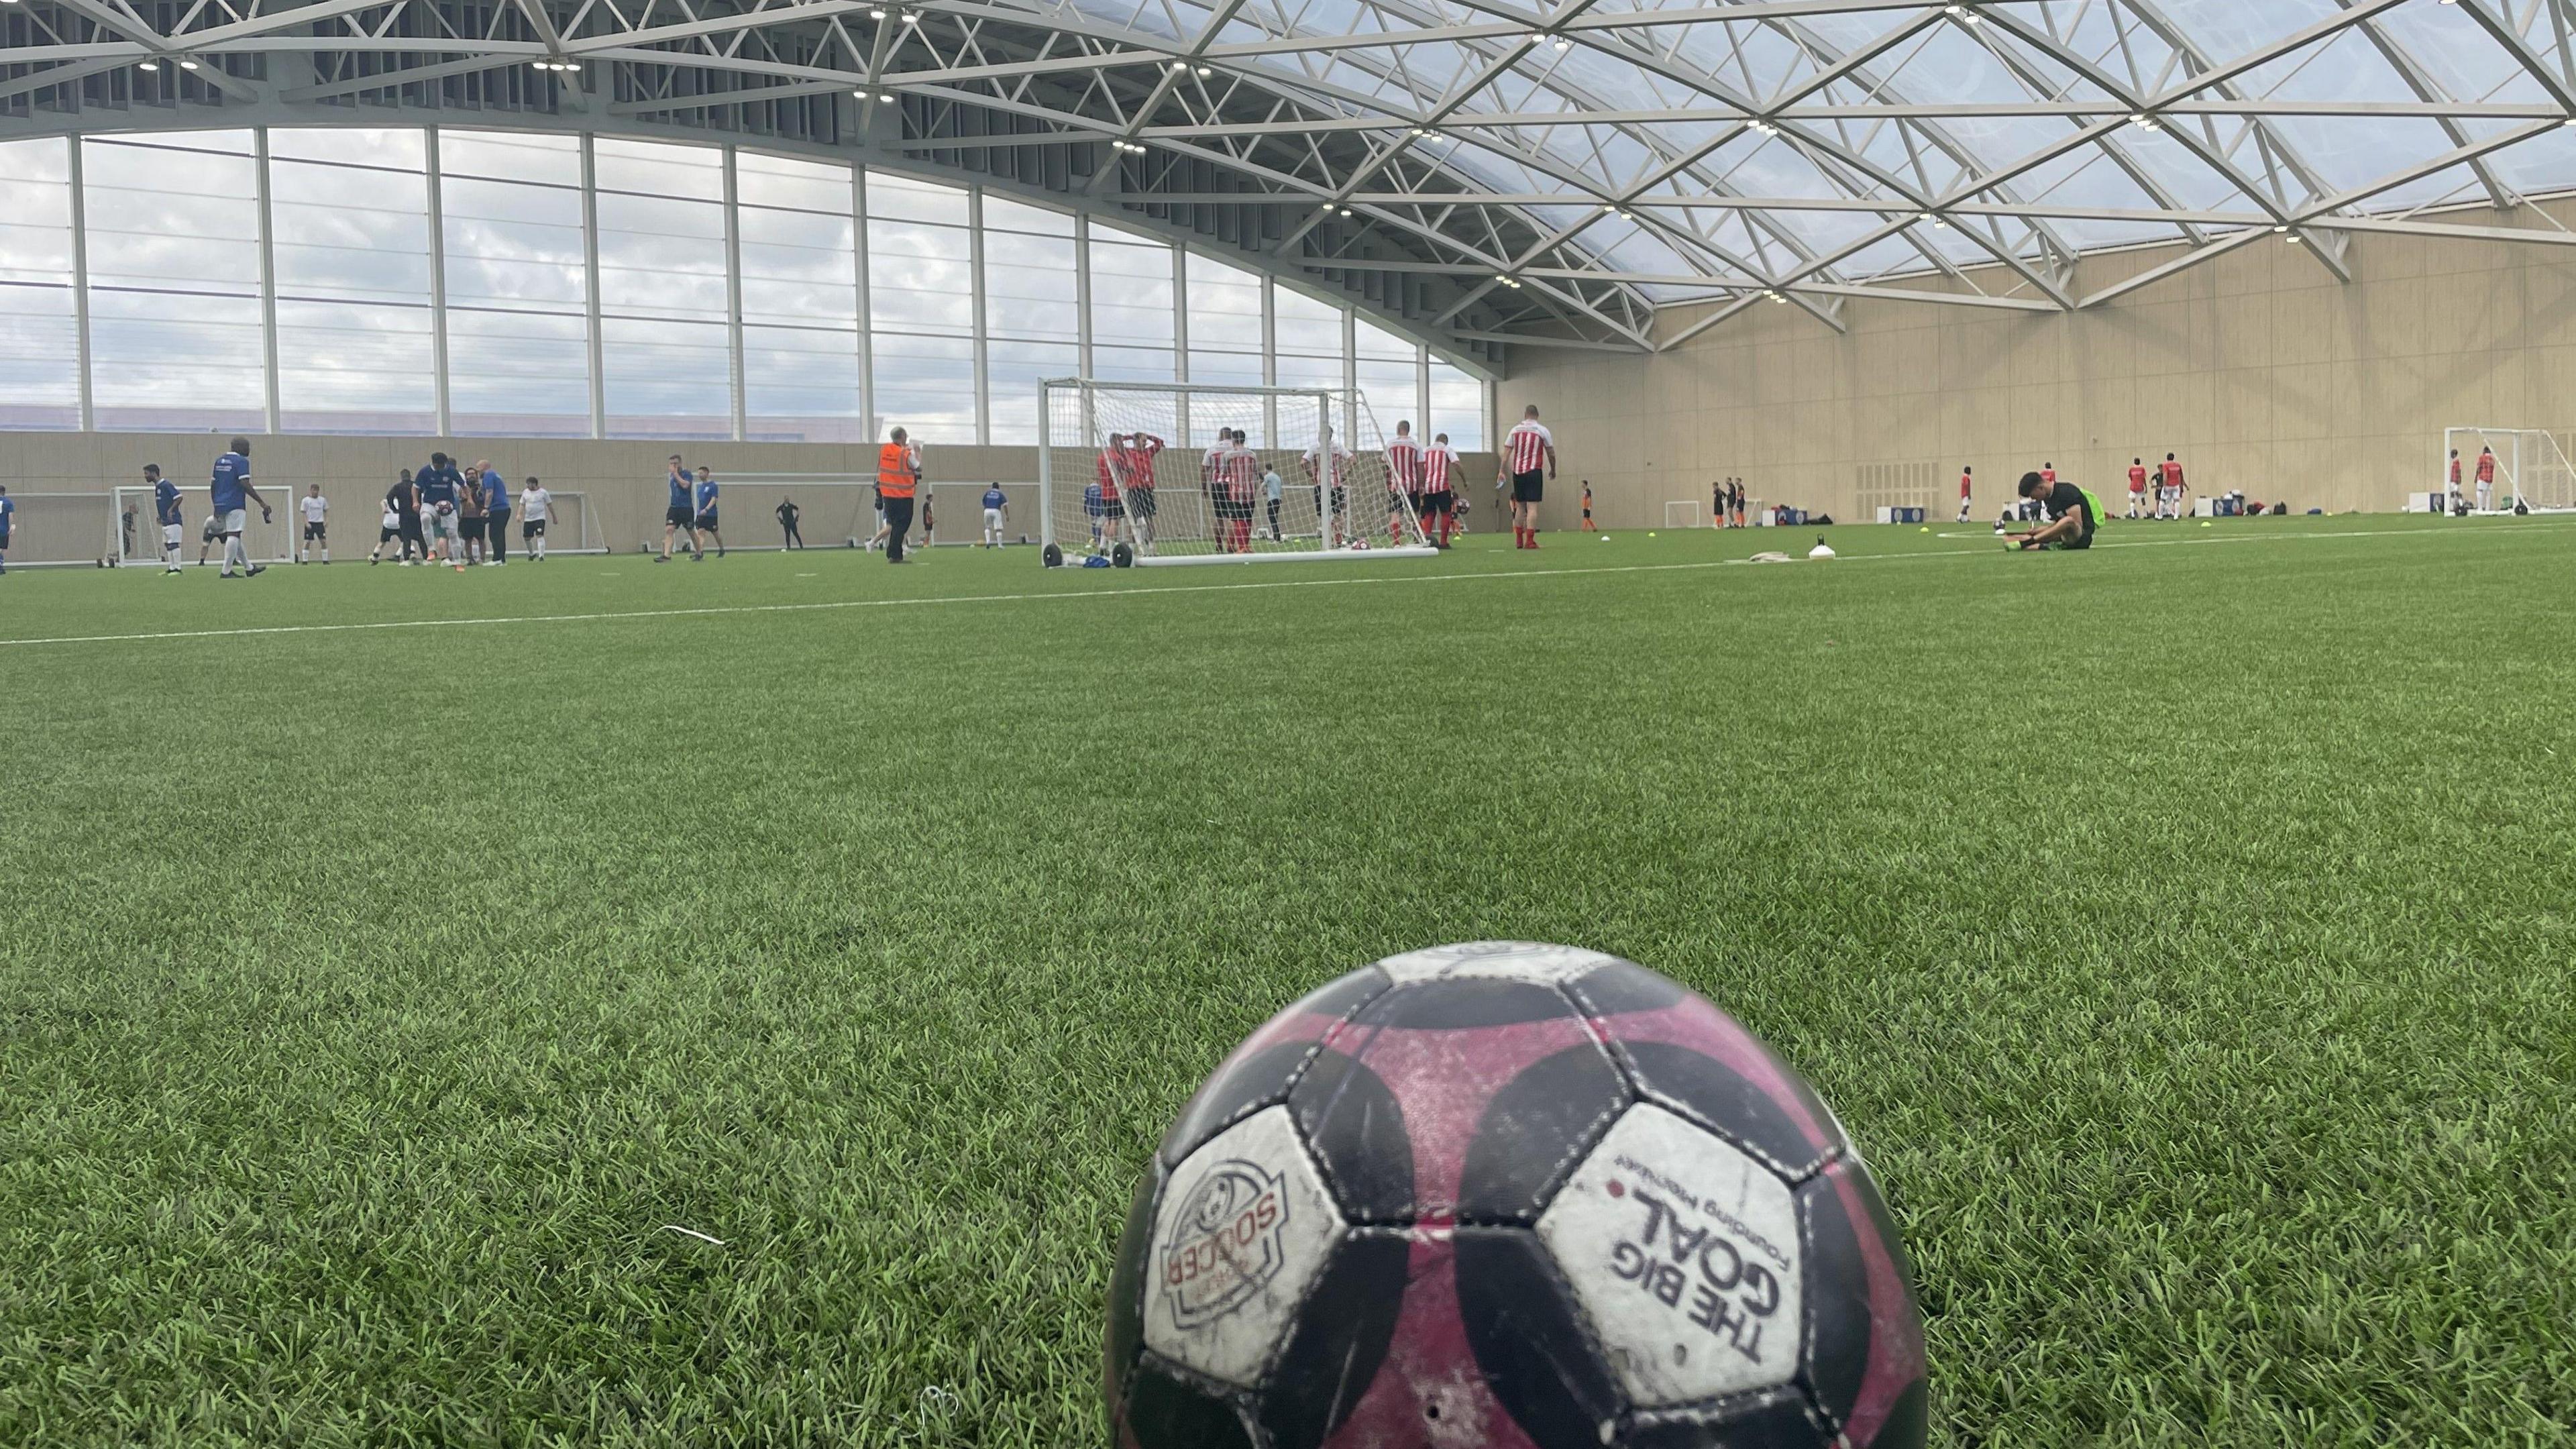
(2184, 932)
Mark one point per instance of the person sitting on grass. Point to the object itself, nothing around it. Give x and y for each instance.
(2075, 514)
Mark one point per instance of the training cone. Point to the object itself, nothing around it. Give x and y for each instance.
(2204, 524)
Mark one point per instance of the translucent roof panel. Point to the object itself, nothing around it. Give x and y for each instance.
(1627, 153)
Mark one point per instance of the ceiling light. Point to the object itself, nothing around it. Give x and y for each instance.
(911, 19)
(2294, 239)
(1180, 67)
(876, 15)
(149, 65)
(886, 96)
(1776, 297)
(1346, 211)
(187, 65)
(1207, 70)
(1562, 43)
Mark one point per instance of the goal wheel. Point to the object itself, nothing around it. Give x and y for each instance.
(1121, 556)
(1052, 556)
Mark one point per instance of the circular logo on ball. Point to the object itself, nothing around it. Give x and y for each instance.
(1228, 1245)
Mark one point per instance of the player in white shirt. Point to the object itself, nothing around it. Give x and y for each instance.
(316, 539)
(1529, 460)
(536, 510)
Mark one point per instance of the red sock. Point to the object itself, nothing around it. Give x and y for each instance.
(1533, 538)
(1444, 530)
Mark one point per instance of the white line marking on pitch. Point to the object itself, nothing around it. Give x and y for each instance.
(717, 610)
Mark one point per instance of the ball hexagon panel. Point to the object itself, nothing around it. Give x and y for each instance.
(1531, 961)
(1243, 1229)
(1445, 1050)
(1864, 1333)
(1684, 1253)
(1698, 1061)
(1259, 1073)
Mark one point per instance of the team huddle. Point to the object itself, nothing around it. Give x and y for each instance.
(447, 514)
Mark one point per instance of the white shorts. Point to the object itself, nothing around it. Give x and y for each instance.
(173, 534)
(993, 519)
(2169, 495)
(442, 525)
(236, 521)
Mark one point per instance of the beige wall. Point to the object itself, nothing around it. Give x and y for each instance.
(2258, 369)
(621, 479)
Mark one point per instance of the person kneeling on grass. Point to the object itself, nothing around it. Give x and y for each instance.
(2075, 512)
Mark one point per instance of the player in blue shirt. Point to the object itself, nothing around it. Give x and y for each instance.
(496, 515)
(170, 512)
(8, 517)
(705, 501)
(682, 512)
(232, 494)
(442, 490)
(997, 511)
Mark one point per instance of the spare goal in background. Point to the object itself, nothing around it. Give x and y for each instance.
(1186, 494)
(2532, 470)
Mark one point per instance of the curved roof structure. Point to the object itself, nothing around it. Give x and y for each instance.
(1482, 171)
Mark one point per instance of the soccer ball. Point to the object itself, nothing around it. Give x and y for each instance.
(1510, 1194)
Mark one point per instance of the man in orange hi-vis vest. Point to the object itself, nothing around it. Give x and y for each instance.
(898, 478)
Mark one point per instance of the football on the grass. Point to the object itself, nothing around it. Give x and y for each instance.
(1510, 1196)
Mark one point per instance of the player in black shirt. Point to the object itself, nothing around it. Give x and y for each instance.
(2075, 514)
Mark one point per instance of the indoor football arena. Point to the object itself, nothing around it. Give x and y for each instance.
(1287, 724)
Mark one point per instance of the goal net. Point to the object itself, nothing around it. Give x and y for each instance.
(2531, 470)
(1307, 479)
(1681, 513)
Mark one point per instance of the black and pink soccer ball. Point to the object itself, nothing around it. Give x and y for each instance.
(1510, 1196)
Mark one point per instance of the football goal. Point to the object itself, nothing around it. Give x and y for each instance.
(2532, 473)
(1308, 480)
(1682, 513)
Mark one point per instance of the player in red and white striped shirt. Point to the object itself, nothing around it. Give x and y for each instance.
(1529, 460)
(1113, 508)
(1439, 464)
(1335, 498)
(1241, 473)
(1404, 476)
(1136, 483)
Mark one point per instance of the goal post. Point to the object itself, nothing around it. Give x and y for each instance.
(2532, 471)
(1309, 480)
(1681, 513)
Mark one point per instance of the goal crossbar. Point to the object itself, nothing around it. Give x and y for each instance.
(2533, 473)
(1125, 473)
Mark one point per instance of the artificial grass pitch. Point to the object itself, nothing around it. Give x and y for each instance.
(2182, 930)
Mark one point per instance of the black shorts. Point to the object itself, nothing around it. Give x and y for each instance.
(707, 521)
(410, 529)
(2081, 540)
(533, 528)
(1530, 486)
(1140, 501)
(680, 517)
(388, 535)
(1113, 508)
(1433, 505)
(469, 528)
(312, 532)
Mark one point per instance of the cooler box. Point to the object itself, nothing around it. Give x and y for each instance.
(2427, 502)
(1900, 515)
